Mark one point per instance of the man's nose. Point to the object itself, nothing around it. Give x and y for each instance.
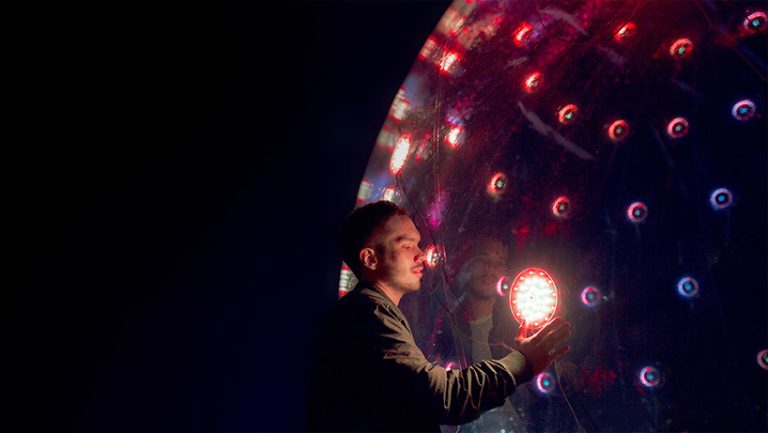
(421, 256)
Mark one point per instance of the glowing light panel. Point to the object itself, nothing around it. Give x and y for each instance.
(400, 154)
(590, 296)
(533, 299)
(743, 110)
(688, 287)
(650, 377)
(677, 128)
(545, 382)
(721, 198)
(637, 212)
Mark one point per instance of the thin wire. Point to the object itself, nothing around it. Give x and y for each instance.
(557, 370)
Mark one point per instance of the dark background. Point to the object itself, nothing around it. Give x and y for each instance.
(174, 178)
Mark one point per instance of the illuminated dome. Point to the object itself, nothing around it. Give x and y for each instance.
(588, 138)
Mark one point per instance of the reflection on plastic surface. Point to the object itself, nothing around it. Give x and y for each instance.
(637, 115)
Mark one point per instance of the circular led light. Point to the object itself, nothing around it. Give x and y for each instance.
(567, 114)
(434, 254)
(532, 82)
(625, 32)
(650, 377)
(678, 127)
(637, 212)
(533, 299)
(762, 359)
(743, 110)
(688, 287)
(545, 382)
(561, 206)
(497, 184)
(721, 198)
(755, 21)
(590, 296)
(503, 285)
(618, 130)
(681, 48)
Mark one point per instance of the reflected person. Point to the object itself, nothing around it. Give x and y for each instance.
(369, 375)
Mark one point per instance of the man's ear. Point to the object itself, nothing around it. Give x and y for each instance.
(368, 258)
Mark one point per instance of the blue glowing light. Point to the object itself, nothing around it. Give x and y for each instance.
(545, 382)
(688, 287)
(721, 198)
(650, 377)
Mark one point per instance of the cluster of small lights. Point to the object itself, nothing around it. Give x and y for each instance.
(400, 154)
(448, 61)
(497, 184)
(637, 212)
(762, 359)
(688, 287)
(618, 130)
(347, 280)
(677, 128)
(625, 32)
(561, 206)
(755, 21)
(365, 191)
(434, 254)
(567, 114)
(590, 296)
(400, 105)
(532, 82)
(533, 300)
(681, 48)
(650, 377)
(522, 33)
(428, 49)
(720, 199)
(743, 110)
(503, 285)
(545, 382)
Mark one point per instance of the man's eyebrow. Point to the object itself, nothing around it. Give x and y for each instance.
(403, 238)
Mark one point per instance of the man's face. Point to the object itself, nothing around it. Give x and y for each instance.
(401, 262)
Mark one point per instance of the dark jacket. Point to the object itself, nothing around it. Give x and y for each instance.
(369, 374)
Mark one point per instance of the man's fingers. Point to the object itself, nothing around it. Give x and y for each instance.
(559, 334)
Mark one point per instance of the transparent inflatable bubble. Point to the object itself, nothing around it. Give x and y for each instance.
(585, 139)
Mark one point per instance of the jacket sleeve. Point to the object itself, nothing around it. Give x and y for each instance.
(452, 396)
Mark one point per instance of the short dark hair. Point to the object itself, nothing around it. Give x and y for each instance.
(358, 228)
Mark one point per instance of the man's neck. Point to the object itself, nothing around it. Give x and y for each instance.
(392, 294)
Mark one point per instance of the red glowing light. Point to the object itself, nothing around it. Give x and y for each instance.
(502, 286)
(428, 49)
(433, 255)
(497, 184)
(743, 110)
(533, 299)
(625, 32)
(522, 33)
(399, 106)
(389, 194)
(681, 48)
(400, 154)
(567, 114)
(561, 206)
(364, 192)
(678, 127)
(532, 82)
(618, 130)
(590, 296)
(454, 136)
(448, 62)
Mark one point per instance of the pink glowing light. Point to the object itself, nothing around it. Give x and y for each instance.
(590, 296)
(618, 130)
(497, 184)
(677, 128)
(743, 110)
(567, 114)
(561, 207)
(762, 359)
(400, 154)
(637, 212)
(650, 377)
(681, 48)
(521, 34)
(454, 136)
(625, 32)
(545, 382)
(532, 82)
(503, 285)
(534, 298)
(756, 21)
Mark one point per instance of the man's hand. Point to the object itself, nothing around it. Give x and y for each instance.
(539, 349)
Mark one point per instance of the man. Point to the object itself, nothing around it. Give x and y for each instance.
(370, 375)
